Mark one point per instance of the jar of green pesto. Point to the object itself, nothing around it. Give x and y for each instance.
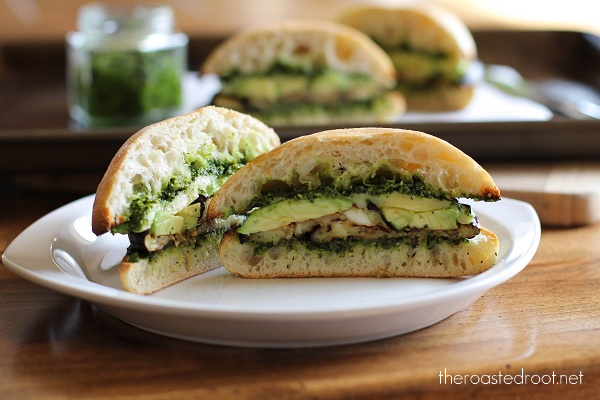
(125, 65)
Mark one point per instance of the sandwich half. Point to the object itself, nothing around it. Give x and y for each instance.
(432, 49)
(159, 184)
(305, 72)
(369, 202)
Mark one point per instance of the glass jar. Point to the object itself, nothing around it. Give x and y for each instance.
(125, 65)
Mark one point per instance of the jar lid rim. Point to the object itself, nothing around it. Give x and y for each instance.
(114, 18)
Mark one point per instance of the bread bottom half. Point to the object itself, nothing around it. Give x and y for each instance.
(439, 98)
(171, 265)
(297, 258)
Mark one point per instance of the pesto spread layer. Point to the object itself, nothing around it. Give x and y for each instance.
(331, 183)
(329, 180)
(202, 175)
(334, 204)
(209, 240)
(343, 246)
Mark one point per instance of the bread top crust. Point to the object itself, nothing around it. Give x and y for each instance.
(422, 26)
(157, 152)
(298, 42)
(440, 165)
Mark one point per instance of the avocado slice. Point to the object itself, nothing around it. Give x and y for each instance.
(465, 216)
(408, 202)
(330, 83)
(166, 224)
(420, 67)
(190, 215)
(288, 211)
(397, 217)
(291, 85)
(259, 87)
(436, 219)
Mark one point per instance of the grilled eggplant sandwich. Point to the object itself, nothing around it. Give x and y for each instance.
(157, 188)
(432, 49)
(305, 72)
(357, 202)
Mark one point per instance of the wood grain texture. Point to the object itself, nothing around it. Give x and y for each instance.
(544, 320)
(564, 194)
(23, 20)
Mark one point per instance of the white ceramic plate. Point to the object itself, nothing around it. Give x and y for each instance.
(60, 252)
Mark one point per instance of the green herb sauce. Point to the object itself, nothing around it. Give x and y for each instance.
(131, 84)
(278, 67)
(143, 201)
(342, 246)
(337, 181)
(406, 47)
(135, 254)
(381, 181)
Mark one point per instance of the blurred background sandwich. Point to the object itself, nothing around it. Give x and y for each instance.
(432, 49)
(301, 72)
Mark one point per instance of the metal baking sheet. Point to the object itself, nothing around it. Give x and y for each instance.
(37, 135)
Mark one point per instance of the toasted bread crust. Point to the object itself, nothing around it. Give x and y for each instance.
(153, 154)
(102, 217)
(439, 164)
(422, 26)
(337, 46)
(170, 266)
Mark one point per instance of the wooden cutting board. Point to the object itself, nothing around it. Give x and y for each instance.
(564, 194)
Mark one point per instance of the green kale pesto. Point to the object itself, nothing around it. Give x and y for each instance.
(375, 184)
(130, 84)
(142, 201)
(406, 47)
(342, 246)
(331, 181)
(139, 206)
(216, 167)
(135, 254)
(278, 67)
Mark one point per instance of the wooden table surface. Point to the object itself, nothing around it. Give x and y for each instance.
(544, 321)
